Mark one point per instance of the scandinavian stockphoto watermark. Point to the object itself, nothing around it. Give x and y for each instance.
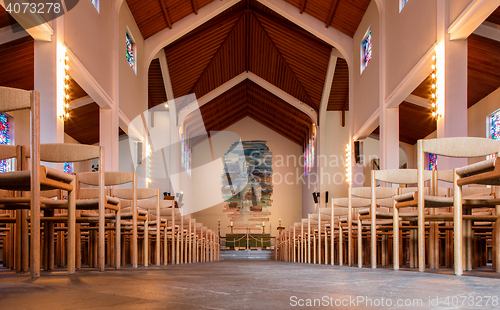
(367, 301)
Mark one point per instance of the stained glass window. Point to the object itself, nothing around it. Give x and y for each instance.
(433, 162)
(96, 4)
(495, 125)
(366, 50)
(130, 51)
(309, 154)
(68, 167)
(5, 165)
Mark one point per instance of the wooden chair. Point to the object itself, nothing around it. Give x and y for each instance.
(465, 147)
(15, 99)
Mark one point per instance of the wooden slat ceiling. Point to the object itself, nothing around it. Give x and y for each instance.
(483, 67)
(415, 122)
(339, 94)
(153, 16)
(17, 64)
(343, 15)
(83, 124)
(5, 18)
(156, 87)
(249, 37)
(249, 99)
(494, 17)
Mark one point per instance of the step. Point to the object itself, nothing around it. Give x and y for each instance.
(247, 255)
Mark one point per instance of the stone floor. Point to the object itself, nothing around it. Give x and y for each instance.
(247, 285)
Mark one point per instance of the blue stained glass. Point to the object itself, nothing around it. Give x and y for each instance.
(68, 167)
(130, 51)
(5, 165)
(433, 162)
(367, 49)
(495, 125)
(94, 2)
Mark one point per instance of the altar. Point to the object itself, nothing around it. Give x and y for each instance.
(248, 241)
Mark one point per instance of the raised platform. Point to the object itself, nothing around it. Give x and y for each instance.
(247, 255)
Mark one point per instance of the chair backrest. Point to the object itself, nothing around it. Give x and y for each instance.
(399, 176)
(463, 147)
(111, 178)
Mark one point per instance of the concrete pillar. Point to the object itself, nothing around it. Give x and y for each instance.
(452, 55)
(51, 126)
(108, 137)
(389, 138)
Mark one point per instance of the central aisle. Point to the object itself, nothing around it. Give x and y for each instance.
(233, 285)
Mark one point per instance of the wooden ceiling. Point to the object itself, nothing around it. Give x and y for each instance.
(17, 64)
(249, 37)
(156, 87)
(83, 122)
(153, 16)
(339, 94)
(249, 99)
(483, 67)
(5, 18)
(343, 15)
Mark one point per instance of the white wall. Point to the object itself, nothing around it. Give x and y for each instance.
(89, 35)
(131, 85)
(337, 137)
(457, 7)
(287, 199)
(366, 85)
(409, 35)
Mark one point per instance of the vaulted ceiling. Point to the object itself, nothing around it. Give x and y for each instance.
(250, 37)
(249, 99)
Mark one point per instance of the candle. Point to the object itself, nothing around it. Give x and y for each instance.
(231, 224)
(263, 224)
(280, 223)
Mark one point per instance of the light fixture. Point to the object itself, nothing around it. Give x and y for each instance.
(63, 83)
(437, 87)
(166, 105)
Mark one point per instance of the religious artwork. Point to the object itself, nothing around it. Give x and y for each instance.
(130, 51)
(432, 162)
(366, 48)
(5, 165)
(247, 185)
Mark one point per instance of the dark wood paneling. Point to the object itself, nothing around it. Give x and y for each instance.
(249, 37)
(415, 122)
(424, 89)
(150, 14)
(5, 18)
(83, 124)
(75, 91)
(249, 99)
(495, 17)
(343, 15)
(156, 87)
(17, 64)
(483, 68)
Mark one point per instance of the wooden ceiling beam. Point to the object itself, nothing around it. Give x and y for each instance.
(285, 27)
(310, 102)
(215, 115)
(209, 126)
(209, 25)
(281, 109)
(195, 9)
(276, 122)
(236, 90)
(299, 142)
(165, 13)
(303, 6)
(216, 53)
(331, 14)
